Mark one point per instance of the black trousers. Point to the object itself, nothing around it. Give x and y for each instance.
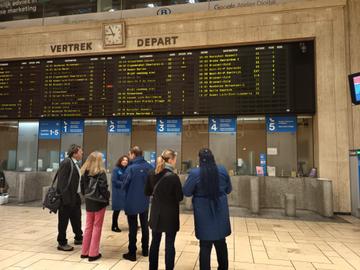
(133, 226)
(72, 213)
(221, 253)
(169, 250)
(115, 218)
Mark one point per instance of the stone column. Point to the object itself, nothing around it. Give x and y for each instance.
(255, 195)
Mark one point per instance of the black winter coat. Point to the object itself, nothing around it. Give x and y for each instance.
(93, 206)
(70, 196)
(164, 213)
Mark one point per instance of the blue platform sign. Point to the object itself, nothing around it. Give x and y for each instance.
(222, 124)
(49, 129)
(153, 159)
(263, 162)
(168, 125)
(72, 126)
(281, 124)
(62, 156)
(119, 125)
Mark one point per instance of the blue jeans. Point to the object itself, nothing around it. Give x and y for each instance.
(169, 250)
(221, 253)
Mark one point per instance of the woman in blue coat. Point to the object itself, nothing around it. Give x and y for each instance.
(118, 193)
(209, 185)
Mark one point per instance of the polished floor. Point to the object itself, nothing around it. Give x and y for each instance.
(28, 241)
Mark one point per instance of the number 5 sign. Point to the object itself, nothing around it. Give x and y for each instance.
(281, 123)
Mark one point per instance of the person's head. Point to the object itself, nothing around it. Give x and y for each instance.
(135, 152)
(167, 156)
(75, 151)
(123, 161)
(209, 175)
(94, 164)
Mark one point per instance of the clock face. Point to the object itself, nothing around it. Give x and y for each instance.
(113, 34)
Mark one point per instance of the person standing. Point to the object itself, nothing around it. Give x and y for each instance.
(70, 208)
(166, 189)
(136, 202)
(118, 194)
(209, 185)
(94, 181)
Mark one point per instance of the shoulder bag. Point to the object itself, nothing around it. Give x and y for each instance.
(94, 192)
(52, 200)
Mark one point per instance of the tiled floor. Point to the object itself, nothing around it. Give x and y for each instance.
(28, 241)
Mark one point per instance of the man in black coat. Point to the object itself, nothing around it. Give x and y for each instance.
(70, 208)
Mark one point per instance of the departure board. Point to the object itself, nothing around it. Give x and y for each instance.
(218, 81)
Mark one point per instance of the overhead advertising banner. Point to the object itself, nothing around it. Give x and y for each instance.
(222, 124)
(168, 125)
(49, 129)
(281, 124)
(119, 125)
(72, 126)
(13, 8)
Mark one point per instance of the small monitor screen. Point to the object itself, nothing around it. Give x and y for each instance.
(354, 80)
(357, 87)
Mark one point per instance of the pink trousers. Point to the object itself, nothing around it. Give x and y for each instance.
(92, 234)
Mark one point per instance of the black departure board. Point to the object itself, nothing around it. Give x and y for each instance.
(242, 80)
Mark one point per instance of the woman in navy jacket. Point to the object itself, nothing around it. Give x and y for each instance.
(209, 185)
(118, 193)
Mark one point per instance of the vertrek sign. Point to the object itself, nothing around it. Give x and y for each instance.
(71, 47)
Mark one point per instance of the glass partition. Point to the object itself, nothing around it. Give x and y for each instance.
(8, 130)
(95, 137)
(49, 155)
(144, 135)
(195, 136)
(27, 146)
(251, 142)
(305, 145)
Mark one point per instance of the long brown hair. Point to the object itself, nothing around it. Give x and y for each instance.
(94, 164)
(164, 157)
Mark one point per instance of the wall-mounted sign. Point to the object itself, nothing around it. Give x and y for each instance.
(72, 126)
(263, 162)
(49, 129)
(62, 156)
(281, 124)
(119, 125)
(168, 125)
(156, 41)
(71, 47)
(222, 124)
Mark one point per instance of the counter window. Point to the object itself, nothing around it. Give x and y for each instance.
(195, 136)
(27, 146)
(251, 142)
(8, 130)
(95, 137)
(144, 135)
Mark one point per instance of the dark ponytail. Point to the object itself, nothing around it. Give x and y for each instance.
(209, 174)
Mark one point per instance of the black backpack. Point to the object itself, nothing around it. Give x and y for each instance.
(52, 200)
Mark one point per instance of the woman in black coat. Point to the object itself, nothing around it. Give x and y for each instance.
(165, 187)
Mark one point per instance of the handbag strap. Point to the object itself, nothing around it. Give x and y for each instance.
(69, 179)
(158, 182)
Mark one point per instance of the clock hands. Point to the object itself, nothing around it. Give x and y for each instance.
(112, 32)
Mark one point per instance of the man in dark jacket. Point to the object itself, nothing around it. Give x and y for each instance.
(70, 209)
(136, 203)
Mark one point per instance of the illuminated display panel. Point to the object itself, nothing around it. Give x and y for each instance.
(218, 81)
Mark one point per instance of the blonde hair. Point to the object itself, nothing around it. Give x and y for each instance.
(163, 158)
(94, 164)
